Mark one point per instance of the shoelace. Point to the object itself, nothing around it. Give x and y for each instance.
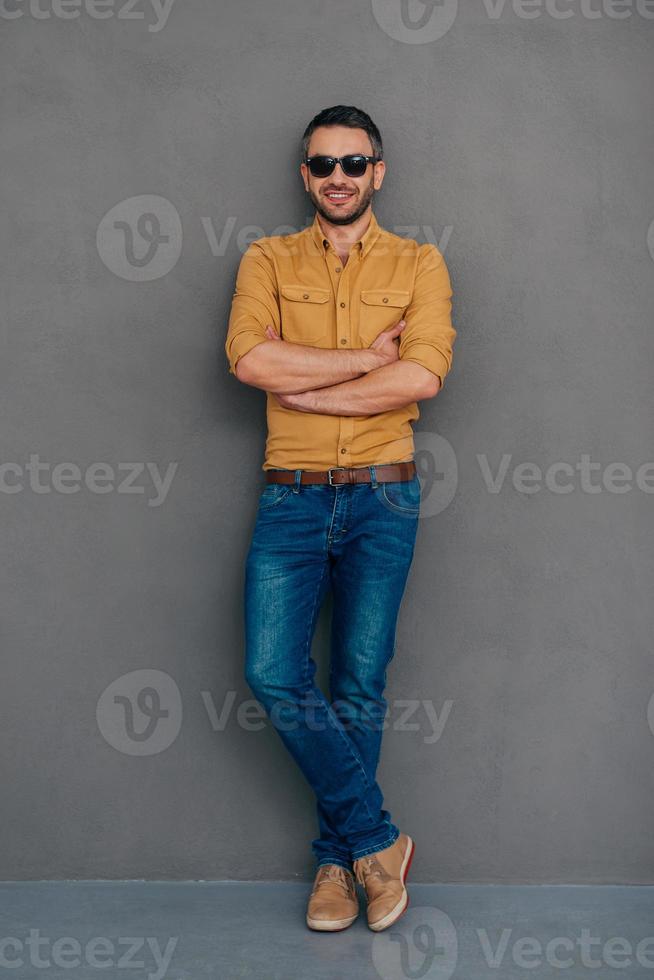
(368, 866)
(337, 874)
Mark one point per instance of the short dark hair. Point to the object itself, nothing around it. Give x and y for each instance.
(344, 115)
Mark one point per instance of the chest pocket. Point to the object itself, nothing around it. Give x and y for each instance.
(305, 313)
(380, 309)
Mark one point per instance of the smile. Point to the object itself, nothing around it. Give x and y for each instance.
(338, 195)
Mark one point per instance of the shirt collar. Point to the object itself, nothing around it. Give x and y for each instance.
(364, 244)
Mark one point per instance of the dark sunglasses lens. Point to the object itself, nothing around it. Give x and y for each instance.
(322, 166)
(354, 166)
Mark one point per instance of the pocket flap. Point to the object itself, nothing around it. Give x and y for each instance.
(386, 297)
(305, 294)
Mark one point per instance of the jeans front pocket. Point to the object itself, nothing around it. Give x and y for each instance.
(402, 496)
(273, 494)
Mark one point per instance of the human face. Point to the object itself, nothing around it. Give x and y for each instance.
(338, 198)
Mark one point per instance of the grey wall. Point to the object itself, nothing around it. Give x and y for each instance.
(523, 144)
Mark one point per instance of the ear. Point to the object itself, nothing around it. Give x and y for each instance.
(378, 176)
(304, 171)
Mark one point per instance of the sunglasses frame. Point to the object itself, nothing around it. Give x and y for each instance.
(326, 156)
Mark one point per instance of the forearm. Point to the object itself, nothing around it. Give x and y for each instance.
(283, 367)
(381, 390)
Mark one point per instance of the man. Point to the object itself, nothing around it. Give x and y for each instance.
(346, 327)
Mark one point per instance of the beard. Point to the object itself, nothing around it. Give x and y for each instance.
(346, 219)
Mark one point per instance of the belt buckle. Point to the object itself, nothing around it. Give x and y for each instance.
(329, 474)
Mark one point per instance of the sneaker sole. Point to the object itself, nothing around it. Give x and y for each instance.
(331, 925)
(403, 903)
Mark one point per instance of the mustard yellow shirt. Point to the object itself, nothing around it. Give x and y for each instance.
(299, 285)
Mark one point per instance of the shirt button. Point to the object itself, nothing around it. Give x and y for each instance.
(337, 269)
(343, 450)
(343, 340)
(385, 299)
(306, 296)
(343, 306)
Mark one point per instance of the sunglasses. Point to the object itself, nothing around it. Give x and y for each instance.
(353, 165)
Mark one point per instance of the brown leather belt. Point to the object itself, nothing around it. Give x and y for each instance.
(384, 473)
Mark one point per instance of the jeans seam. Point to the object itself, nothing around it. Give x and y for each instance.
(310, 619)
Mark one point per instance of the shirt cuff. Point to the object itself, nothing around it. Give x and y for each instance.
(431, 358)
(240, 345)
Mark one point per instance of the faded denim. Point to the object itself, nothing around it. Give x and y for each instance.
(359, 540)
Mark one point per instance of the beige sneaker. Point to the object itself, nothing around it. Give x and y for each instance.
(382, 875)
(333, 903)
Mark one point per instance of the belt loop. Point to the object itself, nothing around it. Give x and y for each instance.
(298, 477)
(373, 477)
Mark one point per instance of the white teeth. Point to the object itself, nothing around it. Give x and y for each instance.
(339, 196)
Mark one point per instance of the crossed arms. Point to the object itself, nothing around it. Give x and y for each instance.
(334, 382)
(405, 363)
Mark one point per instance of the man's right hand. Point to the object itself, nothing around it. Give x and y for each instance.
(385, 344)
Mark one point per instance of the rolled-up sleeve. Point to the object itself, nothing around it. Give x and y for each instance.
(428, 337)
(255, 304)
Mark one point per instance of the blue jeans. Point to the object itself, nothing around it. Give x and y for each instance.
(358, 538)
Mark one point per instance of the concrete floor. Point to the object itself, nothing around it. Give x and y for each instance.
(228, 930)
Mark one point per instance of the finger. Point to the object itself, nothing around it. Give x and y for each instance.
(396, 329)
